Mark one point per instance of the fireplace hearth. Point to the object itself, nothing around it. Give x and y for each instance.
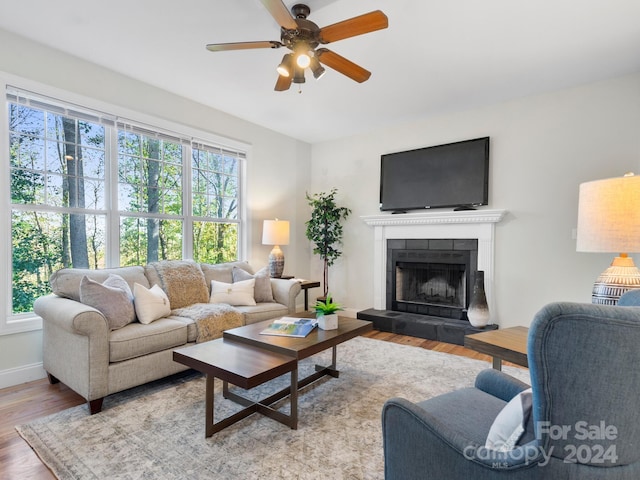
(424, 266)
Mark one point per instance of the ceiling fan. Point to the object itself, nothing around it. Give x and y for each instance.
(302, 37)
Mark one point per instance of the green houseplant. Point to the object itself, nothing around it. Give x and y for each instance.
(324, 229)
(326, 313)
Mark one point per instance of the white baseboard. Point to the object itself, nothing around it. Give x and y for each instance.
(23, 374)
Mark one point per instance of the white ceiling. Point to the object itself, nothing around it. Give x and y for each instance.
(436, 56)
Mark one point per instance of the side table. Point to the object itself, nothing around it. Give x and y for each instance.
(306, 285)
(508, 344)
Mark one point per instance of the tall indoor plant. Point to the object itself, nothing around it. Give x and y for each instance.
(324, 229)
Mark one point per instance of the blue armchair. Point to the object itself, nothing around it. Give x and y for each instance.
(584, 363)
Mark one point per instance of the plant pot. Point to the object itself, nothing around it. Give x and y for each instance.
(328, 322)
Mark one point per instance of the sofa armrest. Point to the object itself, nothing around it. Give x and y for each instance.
(71, 316)
(499, 384)
(75, 345)
(285, 292)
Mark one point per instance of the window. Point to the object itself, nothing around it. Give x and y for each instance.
(89, 190)
(149, 197)
(215, 184)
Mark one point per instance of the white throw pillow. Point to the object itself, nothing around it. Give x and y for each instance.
(510, 423)
(151, 303)
(238, 293)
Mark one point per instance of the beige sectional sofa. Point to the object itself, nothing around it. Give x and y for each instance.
(93, 355)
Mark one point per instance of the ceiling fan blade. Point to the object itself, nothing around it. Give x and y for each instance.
(369, 22)
(283, 83)
(280, 12)
(220, 47)
(342, 65)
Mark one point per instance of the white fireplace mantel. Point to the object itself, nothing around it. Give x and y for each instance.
(471, 224)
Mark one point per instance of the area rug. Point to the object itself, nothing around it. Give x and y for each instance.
(157, 431)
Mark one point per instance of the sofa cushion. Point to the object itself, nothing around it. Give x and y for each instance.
(263, 311)
(66, 281)
(262, 292)
(113, 298)
(137, 339)
(150, 303)
(239, 293)
(222, 272)
(182, 280)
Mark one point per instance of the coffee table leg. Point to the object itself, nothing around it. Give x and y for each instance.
(293, 399)
(209, 430)
(225, 389)
(497, 363)
(330, 370)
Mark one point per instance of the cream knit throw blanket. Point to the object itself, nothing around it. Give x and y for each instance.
(187, 289)
(211, 319)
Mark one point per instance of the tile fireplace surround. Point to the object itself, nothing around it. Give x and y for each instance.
(468, 224)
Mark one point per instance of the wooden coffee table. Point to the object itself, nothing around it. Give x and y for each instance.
(245, 367)
(247, 359)
(508, 344)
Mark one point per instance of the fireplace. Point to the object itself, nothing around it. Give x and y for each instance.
(431, 276)
(424, 266)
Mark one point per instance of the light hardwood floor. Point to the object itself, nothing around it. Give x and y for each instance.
(23, 403)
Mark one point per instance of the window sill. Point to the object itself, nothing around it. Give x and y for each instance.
(27, 322)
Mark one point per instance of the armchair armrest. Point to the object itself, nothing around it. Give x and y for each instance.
(285, 292)
(419, 444)
(499, 384)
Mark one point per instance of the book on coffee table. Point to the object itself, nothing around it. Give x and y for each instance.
(291, 327)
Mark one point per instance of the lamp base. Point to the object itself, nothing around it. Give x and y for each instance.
(276, 262)
(621, 276)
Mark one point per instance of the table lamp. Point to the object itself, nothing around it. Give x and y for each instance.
(609, 221)
(276, 233)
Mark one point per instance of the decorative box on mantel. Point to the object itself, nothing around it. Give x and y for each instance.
(428, 298)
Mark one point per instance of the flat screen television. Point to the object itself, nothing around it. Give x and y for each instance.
(451, 175)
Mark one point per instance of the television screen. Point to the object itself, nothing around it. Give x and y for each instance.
(451, 175)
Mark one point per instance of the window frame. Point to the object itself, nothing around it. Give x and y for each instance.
(11, 323)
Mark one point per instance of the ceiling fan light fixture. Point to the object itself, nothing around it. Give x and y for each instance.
(302, 54)
(285, 67)
(298, 75)
(317, 69)
(303, 60)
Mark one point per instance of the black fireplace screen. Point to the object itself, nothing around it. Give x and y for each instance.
(439, 284)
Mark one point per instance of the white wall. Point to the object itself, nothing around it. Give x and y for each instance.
(542, 148)
(277, 172)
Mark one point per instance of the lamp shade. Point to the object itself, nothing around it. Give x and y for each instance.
(275, 232)
(609, 221)
(609, 215)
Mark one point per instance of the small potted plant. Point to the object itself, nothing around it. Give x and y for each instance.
(326, 313)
